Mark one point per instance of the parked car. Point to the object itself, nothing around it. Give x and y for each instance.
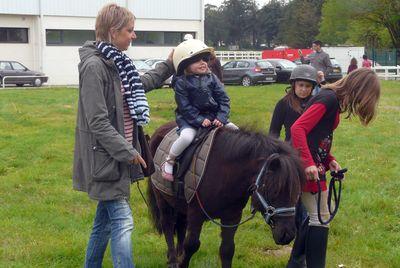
(334, 75)
(141, 66)
(248, 72)
(283, 69)
(18, 73)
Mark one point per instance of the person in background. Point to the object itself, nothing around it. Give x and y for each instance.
(366, 63)
(353, 65)
(319, 59)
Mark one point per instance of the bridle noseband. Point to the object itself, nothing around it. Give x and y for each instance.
(270, 211)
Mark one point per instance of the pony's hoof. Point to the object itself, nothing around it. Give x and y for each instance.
(173, 265)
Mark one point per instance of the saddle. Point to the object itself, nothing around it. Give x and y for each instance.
(189, 166)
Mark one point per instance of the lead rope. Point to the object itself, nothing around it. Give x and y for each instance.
(336, 176)
(253, 213)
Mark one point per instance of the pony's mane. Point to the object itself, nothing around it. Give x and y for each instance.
(248, 143)
(239, 146)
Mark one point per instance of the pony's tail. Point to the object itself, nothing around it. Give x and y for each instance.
(153, 208)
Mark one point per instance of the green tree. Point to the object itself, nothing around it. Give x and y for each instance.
(268, 21)
(239, 17)
(300, 24)
(214, 25)
(373, 23)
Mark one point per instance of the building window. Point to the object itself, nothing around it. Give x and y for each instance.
(13, 35)
(149, 38)
(68, 37)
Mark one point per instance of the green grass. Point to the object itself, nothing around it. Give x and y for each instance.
(44, 223)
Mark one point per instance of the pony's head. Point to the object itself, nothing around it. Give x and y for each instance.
(277, 173)
(276, 191)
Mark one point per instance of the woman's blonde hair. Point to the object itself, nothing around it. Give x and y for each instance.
(358, 94)
(111, 17)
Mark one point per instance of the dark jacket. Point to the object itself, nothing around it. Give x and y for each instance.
(102, 154)
(199, 97)
(284, 115)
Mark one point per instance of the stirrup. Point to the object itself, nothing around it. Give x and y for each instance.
(167, 176)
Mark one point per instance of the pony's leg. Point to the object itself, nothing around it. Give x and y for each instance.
(227, 247)
(192, 242)
(181, 232)
(168, 225)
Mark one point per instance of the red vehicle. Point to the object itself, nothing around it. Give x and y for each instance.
(291, 54)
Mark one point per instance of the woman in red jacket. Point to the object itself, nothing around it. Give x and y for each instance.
(312, 134)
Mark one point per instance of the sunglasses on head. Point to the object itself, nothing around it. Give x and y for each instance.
(205, 58)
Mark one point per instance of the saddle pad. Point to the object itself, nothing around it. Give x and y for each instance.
(195, 172)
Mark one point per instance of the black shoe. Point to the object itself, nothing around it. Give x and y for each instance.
(316, 245)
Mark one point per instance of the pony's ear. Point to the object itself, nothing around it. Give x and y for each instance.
(274, 165)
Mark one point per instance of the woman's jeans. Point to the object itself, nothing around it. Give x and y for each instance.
(113, 220)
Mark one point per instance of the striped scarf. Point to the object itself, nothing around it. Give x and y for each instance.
(134, 94)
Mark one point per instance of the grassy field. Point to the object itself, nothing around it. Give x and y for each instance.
(44, 223)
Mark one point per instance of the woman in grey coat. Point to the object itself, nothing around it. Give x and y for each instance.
(112, 103)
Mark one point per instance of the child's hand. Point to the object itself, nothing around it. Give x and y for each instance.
(334, 166)
(206, 123)
(217, 123)
(312, 173)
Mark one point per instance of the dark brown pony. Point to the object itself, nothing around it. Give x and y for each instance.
(235, 162)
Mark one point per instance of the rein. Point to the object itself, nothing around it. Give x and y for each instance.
(337, 176)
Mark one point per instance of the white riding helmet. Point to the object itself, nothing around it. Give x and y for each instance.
(187, 51)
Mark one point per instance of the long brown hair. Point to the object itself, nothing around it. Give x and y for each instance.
(291, 98)
(358, 94)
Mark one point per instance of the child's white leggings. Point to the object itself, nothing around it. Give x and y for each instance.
(185, 139)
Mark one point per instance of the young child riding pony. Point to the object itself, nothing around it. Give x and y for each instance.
(199, 95)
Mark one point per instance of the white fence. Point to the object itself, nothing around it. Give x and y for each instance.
(237, 55)
(388, 72)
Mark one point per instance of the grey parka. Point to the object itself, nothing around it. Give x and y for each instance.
(102, 154)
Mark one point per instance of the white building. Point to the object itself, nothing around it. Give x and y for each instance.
(45, 35)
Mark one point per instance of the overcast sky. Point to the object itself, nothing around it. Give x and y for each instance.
(218, 2)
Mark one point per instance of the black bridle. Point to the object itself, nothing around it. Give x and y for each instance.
(269, 210)
(337, 176)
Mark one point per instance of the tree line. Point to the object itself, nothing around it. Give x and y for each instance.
(296, 23)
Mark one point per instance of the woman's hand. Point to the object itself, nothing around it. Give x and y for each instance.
(312, 173)
(334, 166)
(139, 160)
(171, 55)
(206, 123)
(217, 123)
